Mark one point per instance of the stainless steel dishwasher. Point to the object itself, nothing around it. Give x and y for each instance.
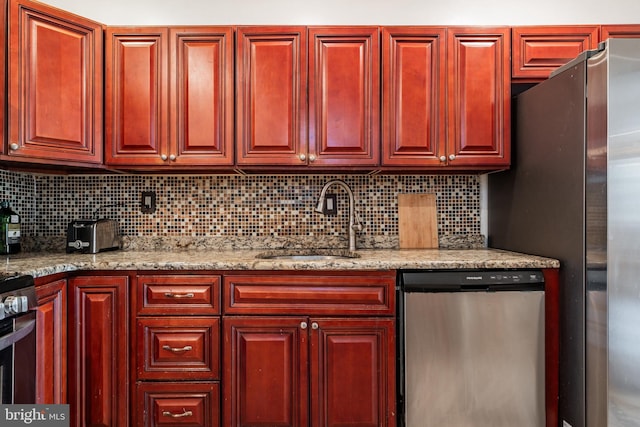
(471, 348)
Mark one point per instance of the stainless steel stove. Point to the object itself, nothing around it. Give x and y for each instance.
(17, 338)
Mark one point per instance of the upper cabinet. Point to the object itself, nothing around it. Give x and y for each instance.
(55, 91)
(271, 96)
(344, 96)
(414, 96)
(336, 125)
(478, 97)
(539, 50)
(446, 97)
(619, 31)
(169, 97)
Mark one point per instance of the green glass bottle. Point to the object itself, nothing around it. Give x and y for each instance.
(9, 230)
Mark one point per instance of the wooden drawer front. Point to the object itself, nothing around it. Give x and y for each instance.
(537, 51)
(178, 348)
(310, 294)
(178, 404)
(178, 294)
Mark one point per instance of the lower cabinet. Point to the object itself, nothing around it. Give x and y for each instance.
(98, 334)
(260, 348)
(177, 350)
(177, 404)
(299, 371)
(332, 367)
(51, 341)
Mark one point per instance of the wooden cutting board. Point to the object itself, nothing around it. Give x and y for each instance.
(417, 220)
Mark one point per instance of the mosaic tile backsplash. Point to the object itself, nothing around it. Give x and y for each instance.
(231, 207)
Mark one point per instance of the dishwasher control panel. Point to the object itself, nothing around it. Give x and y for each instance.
(466, 280)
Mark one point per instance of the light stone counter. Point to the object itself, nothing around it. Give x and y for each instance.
(38, 264)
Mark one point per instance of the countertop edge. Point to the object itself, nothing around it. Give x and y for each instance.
(40, 265)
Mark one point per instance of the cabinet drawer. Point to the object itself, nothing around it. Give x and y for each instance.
(177, 404)
(178, 294)
(296, 293)
(178, 348)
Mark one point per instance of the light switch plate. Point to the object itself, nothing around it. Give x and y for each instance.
(148, 202)
(330, 205)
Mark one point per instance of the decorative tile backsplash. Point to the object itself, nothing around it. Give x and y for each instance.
(234, 206)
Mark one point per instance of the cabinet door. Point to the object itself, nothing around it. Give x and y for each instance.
(413, 96)
(344, 96)
(4, 144)
(136, 89)
(265, 379)
(55, 85)
(537, 51)
(352, 369)
(51, 338)
(619, 31)
(479, 101)
(98, 351)
(201, 88)
(271, 88)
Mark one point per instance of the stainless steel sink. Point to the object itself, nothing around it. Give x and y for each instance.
(308, 254)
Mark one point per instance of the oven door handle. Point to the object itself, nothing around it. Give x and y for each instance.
(24, 329)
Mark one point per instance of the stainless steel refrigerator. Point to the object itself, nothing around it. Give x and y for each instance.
(573, 193)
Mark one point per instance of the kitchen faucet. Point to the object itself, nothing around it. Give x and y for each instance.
(354, 220)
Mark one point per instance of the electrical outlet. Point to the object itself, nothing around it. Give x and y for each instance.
(330, 205)
(148, 202)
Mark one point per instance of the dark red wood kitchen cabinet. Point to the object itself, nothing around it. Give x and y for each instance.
(619, 31)
(177, 349)
(478, 97)
(446, 98)
(336, 126)
(413, 96)
(265, 380)
(98, 334)
(55, 86)
(538, 50)
(51, 341)
(177, 404)
(169, 97)
(352, 371)
(321, 357)
(344, 96)
(4, 145)
(271, 96)
(136, 96)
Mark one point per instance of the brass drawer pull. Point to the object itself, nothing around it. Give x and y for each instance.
(176, 349)
(184, 413)
(172, 295)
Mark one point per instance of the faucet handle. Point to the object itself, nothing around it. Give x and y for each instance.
(357, 221)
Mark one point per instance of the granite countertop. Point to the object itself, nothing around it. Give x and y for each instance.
(39, 264)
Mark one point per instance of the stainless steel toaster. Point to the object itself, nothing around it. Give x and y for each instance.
(91, 236)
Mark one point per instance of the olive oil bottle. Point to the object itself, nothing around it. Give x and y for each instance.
(9, 230)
